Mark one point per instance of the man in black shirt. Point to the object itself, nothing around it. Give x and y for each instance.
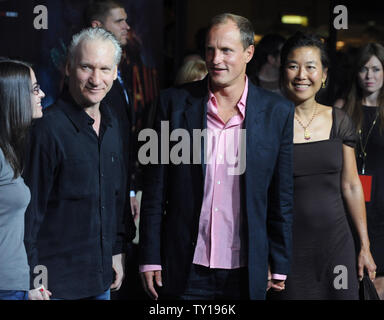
(75, 224)
(111, 15)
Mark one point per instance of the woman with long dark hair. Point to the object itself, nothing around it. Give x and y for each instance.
(365, 105)
(20, 102)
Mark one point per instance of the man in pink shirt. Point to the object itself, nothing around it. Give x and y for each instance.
(220, 228)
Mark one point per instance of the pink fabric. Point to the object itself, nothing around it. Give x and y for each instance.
(149, 267)
(277, 276)
(220, 241)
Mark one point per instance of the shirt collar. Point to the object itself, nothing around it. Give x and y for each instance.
(78, 115)
(241, 104)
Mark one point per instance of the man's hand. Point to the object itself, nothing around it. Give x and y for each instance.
(147, 281)
(118, 265)
(135, 208)
(277, 285)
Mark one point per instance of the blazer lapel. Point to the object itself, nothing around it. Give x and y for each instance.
(252, 123)
(196, 118)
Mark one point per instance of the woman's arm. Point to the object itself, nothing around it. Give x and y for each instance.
(354, 198)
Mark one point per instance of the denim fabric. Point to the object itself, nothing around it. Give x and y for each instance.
(106, 295)
(13, 295)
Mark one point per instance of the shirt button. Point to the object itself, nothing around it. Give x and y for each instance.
(216, 209)
(218, 182)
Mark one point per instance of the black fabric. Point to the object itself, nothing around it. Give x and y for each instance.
(116, 101)
(343, 128)
(374, 166)
(322, 238)
(75, 220)
(367, 290)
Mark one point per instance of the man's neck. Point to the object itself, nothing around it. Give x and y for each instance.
(228, 97)
(93, 111)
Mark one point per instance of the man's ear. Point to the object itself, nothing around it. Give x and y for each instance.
(67, 68)
(250, 51)
(115, 73)
(96, 23)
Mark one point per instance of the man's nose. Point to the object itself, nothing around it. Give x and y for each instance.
(216, 57)
(95, 77)
(126, 25)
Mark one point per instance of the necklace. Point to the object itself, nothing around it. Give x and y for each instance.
(307, 135)
(363, 154)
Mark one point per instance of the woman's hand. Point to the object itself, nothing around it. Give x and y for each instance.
(39, 294)
(365, 260)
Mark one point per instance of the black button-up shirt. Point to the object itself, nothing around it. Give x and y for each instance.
(76, 221)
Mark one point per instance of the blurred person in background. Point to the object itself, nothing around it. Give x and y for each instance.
(263, 69)
(191, 70)
(365, 105)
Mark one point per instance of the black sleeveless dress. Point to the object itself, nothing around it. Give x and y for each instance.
(323, 254)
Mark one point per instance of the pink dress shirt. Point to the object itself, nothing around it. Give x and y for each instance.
(220, 242)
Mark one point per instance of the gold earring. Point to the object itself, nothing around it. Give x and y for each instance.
(323, 84)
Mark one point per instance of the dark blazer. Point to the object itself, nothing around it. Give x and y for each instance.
(125, 114)
(173, 194)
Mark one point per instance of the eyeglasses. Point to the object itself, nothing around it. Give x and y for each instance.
(36, 89)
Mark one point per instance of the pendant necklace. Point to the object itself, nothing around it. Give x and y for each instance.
(363, 153)
(307, 135)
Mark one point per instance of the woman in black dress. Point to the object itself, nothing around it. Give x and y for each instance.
(365, 105)
(326, 184)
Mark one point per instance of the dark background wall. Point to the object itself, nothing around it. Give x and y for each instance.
(170, 29)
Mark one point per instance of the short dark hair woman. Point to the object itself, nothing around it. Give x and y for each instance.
(20, 102)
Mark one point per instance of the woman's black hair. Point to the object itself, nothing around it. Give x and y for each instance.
(15, 110)
(299, 40)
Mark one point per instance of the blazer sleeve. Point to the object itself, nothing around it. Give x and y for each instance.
(280, 206)
(154, 193)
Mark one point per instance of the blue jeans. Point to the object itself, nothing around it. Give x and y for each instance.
(216, 284)
(13, 295)
(106, 295)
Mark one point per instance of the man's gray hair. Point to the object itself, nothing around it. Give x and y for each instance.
(93, 34)
(245, 27)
